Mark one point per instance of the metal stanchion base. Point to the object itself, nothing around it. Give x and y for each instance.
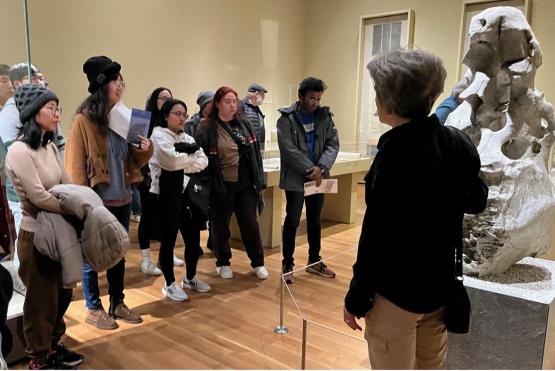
(281, 330)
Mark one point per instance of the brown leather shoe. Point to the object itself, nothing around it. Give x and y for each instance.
(123, 312)
(99, 318)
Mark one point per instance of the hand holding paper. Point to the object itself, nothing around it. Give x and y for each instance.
(327, 186)
(130, 124)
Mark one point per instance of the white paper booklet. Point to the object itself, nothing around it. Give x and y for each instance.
(327, 186)
(120, 116)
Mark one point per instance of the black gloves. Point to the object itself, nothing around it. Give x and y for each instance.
(188, 148)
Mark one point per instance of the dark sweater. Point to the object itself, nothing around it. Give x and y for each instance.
(423, 178)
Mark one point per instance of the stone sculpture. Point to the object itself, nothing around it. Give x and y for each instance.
(512, 126)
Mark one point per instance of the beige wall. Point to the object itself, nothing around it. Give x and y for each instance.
(187, 46)
(191, 46)
(12, 32)
(332, 39)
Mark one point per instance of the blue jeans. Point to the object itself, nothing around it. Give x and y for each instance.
(135, 200)
(115, 275)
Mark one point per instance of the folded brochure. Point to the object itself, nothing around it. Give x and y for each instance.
(327, 186)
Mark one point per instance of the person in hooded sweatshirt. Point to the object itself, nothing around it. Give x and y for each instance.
(175, 155)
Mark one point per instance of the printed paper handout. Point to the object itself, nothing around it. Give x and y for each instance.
(129, 124)
(120, 116)
(140, 120)
(327, 186)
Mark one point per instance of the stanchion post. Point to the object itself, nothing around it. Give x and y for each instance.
(303, 354)
(281, 329)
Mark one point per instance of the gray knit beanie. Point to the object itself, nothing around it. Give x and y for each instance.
(204, 98)
(29, 99)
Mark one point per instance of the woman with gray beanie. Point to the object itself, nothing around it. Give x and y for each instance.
(34, 165)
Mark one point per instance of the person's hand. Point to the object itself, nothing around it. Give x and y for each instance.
(145, 143)
(350, 320)
(315, 173)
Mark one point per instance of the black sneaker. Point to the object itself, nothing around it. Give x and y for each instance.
(66, 357)
(287, 271)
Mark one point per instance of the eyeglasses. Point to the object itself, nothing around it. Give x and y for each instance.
(53, 110)
(180, 115)
(163, 99)
(120, 83)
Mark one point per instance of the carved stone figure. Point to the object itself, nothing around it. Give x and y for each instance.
(512, 126)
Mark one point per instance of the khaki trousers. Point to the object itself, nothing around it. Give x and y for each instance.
(398, 339)
(46, 301)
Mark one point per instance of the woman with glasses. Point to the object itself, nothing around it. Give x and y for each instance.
(237, 181)
(34, 165)
(98, 157)
(175, 155)
(148, 225)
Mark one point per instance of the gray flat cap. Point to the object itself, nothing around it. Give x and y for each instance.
(254, 87)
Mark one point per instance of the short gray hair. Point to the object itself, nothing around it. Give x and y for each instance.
(408, 82)
(20, 70)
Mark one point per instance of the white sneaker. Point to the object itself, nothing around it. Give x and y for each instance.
(195, 284)
(225, 272)
(149, 268)
(178, 262)
(174, 292)
(261, 272)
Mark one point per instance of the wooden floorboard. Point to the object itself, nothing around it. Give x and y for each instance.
(231, 327)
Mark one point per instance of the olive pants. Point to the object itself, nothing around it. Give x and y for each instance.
(46, 300)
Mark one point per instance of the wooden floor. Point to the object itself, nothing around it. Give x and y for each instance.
(231, 327)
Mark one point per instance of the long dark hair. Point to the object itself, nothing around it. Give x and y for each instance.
(31, 134)
(97, 108)
(166, 108)
(152, 106)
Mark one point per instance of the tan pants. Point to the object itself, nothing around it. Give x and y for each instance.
(46, 300)
(398, 339)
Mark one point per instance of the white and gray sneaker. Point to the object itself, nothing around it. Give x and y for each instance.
(261, 272)
(178, 262)
(225, 272)
(149, 268)
(195, 284)
(174, 292)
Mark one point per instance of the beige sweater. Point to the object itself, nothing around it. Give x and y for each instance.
(33, 173)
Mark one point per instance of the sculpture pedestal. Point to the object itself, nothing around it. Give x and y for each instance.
(513, 324)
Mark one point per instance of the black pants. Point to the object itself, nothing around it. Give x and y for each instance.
(243, 201)
(148, 226)
(293, 209)
(175, 215)
(6, 292)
